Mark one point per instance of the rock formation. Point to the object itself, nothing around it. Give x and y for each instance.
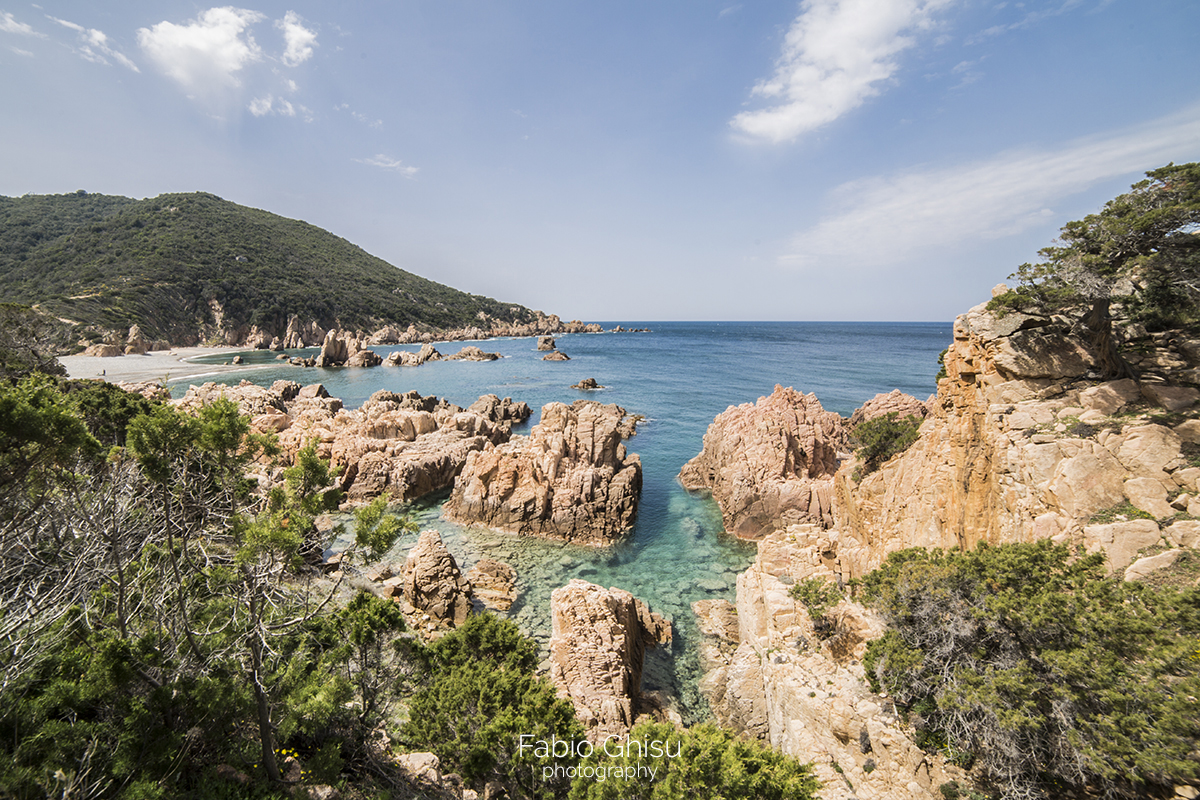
(904, 405)
(403, 358)
(545, 343)
(494, 583)
(556, 355)
(597, 645)
(403, 446)
(770, 464)
(1023, 441)
(569, 479)
(472, 353)
(432, 583)
(344, 348)
(587, 384)
(807, 697)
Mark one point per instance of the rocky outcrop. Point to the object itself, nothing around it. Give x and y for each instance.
(490, 406)
(770, 464)
(432, 583)
(587, 384)
(903, 405)
(402, 446)
(597, 646)
(1023, 441)
(494, 583)
(570, 479)
(556, 355)
(806, 695)
(344, 348)
(402, 358)
(472, 353)
(545, 343)
(1022, 445)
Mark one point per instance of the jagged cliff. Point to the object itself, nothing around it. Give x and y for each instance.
(1024, 440)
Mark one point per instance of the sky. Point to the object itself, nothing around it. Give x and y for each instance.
(624, 160)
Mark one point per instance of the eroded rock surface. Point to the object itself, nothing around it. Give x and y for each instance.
(494, 583)
(399, 445)
(771, 463)
(807, 696)
(432, 582)
(597, 647)
(570, 479)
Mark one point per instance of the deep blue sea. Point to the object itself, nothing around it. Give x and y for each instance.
(678, 377)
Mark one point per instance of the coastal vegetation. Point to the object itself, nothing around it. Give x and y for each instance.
(1030, 665)
(1139, 255)
(164, 631)
(181, 265)
(877, 440)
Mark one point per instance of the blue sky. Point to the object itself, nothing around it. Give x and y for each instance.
(824, 160)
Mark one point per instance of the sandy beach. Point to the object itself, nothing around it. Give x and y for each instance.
(172, 364)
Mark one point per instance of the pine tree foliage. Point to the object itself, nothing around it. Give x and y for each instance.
(1033, 666)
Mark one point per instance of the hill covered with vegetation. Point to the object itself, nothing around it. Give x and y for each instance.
(186, 267)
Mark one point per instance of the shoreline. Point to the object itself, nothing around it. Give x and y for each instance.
(173, 365)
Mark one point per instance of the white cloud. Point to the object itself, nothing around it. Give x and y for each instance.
(836, 54)
(21, 52)
(389, 163)
(94, 45)
(894, 219)
(300, 40)
(9, 24)
(206, 54)
(261, 106)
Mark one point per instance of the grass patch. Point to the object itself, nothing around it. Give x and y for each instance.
(1122, 512)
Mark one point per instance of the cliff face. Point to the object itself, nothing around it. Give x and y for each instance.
(1023, 441)
(1021, 445)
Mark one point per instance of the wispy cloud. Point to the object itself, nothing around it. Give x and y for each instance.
(270, 104)
(9, 24)
(898, 218)
(389, 163)
(1029, 20)
(21, 52)
(94, 45)
(206, 54)
(300, 40)
(836, 54)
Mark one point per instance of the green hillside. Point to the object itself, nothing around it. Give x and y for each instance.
(184, 265)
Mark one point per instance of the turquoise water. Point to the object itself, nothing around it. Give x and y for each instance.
(678, 377)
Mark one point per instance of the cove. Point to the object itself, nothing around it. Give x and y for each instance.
(677, 377)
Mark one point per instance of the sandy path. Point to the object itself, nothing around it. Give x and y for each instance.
(154, 366)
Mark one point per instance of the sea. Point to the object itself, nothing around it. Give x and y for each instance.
(677, 377)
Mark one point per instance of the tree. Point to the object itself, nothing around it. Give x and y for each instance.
(1142, 249)
(482, 695)
(1031, 664)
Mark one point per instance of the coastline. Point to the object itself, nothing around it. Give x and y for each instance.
(173, 364)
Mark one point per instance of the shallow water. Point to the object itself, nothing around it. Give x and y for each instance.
(678, 378)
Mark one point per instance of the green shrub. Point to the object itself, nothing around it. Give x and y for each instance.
(482, 696)
(701, 762)
(877, 440)
(1036, 667)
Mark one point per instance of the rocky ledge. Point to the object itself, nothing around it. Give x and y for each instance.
(570, 479)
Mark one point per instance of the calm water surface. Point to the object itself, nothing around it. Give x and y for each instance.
(678, 377)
